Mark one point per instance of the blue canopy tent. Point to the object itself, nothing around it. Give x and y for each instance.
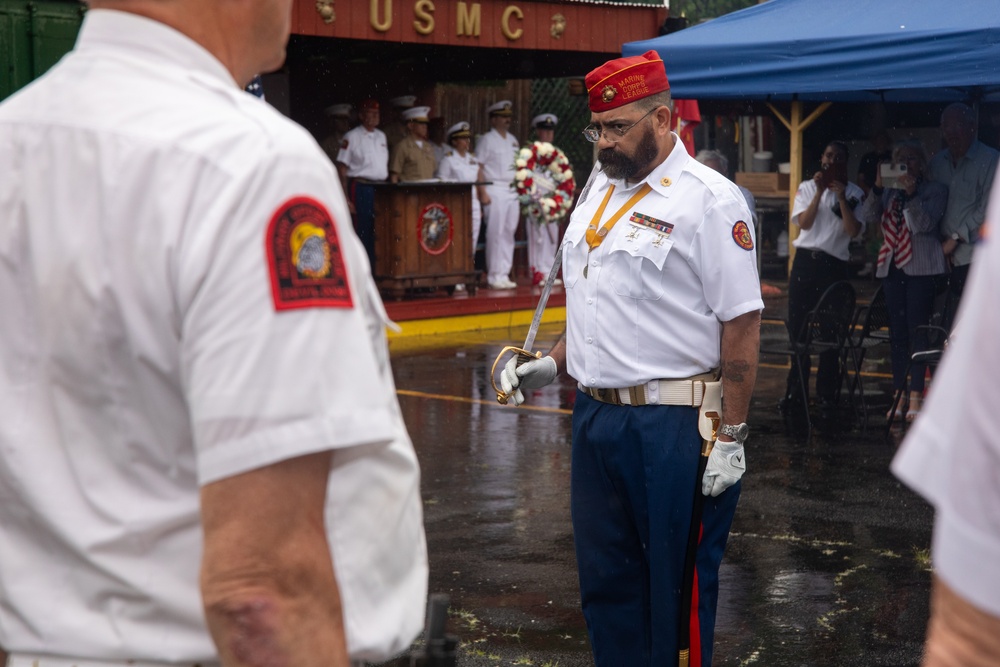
(836, 50)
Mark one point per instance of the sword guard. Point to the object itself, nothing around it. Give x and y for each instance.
(523, 356)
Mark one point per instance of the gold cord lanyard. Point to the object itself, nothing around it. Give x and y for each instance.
(596, 236)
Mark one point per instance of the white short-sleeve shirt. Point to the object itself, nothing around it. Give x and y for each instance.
(952, 454)
(677, 264)
(366, 154)
(165, 326)
(827, 232)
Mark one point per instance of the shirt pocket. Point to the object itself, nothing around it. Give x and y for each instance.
(635, 264)
(574, 260)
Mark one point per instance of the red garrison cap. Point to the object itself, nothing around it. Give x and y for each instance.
(369, 104)
(624, 80)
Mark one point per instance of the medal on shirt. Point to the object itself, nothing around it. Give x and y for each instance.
(595, 236)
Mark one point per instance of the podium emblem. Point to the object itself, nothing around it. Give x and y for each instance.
(435, 228)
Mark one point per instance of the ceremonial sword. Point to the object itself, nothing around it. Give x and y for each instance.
(524, 353)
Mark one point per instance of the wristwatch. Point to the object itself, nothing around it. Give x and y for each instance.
(955, 237)
(737, 432)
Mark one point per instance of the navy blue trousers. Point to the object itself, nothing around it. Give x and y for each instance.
(633, 483)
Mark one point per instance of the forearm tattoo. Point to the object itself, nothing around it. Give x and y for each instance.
(736, 370)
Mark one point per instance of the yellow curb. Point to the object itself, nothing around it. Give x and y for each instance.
(469, 323)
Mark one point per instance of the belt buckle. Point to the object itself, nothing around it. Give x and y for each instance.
(609, 396)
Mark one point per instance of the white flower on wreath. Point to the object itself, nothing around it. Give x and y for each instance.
(549, 196)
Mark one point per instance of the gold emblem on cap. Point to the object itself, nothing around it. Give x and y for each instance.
(608, 93)
(665, 181)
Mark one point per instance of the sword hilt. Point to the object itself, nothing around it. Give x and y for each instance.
(523, 356)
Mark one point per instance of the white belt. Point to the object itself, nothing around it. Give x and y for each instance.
(655, 392)
(41, 660)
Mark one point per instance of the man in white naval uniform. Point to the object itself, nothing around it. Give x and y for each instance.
(460, 164)
(543, 238)
(497, 150)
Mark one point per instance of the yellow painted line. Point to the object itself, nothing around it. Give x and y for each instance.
(466, 399)
(479, 322)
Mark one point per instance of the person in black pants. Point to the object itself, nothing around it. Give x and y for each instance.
(826, 210)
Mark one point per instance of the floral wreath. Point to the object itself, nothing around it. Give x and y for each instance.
(544, 182)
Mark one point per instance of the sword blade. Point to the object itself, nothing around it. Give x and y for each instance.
(543, 299)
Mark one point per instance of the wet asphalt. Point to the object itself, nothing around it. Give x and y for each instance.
(827, 563)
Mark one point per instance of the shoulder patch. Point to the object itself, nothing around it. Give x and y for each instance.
(305, 259)
(741, 234)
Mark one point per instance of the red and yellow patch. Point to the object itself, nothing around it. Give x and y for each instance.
(304, 258)
(742, 236)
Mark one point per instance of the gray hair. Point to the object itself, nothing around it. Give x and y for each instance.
(655, 100)
(706, 156)
(915, 145)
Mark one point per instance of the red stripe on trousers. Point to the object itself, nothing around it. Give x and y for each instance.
(695, 655)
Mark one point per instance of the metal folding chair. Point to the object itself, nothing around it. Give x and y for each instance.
(869, 329)
(825, 329)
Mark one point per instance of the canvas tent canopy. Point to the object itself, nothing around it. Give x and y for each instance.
(836, 51)
(840, 50)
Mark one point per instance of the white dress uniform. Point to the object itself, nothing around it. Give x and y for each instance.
(669, 271)
(365, 153)
(543, 239)
(454, 167)
(951, 454)
(149, 347)
(497, 154)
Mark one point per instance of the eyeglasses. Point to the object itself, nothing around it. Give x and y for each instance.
(594, 131)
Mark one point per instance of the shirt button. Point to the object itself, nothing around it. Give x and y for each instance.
(652, 385)
(589, 301)
(590, 339)
(592, 382)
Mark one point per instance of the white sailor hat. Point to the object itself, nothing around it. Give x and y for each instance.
(403, 101)
(501, 108)
(338, 110)
(459, 130)
(418, 114)
(545, 121)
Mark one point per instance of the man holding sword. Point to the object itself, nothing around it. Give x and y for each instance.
(662, 297)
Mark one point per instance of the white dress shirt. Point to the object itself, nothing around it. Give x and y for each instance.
(652, 303)
(143, 354)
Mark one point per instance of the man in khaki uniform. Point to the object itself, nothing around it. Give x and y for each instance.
(412, 158)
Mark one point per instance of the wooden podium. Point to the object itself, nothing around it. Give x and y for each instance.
(422, 236)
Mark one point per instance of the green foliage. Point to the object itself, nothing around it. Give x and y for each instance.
(698, 10)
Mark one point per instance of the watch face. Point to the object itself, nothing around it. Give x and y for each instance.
(737, 431)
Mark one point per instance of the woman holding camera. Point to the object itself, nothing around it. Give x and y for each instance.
(827, 210)
(910, 259)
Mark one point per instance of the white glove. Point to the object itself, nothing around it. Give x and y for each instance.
(529, 375)
(726, 464)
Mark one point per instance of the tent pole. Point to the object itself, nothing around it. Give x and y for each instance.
(796, 127)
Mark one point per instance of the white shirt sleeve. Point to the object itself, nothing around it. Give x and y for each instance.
(952, 455)
(252, 403)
